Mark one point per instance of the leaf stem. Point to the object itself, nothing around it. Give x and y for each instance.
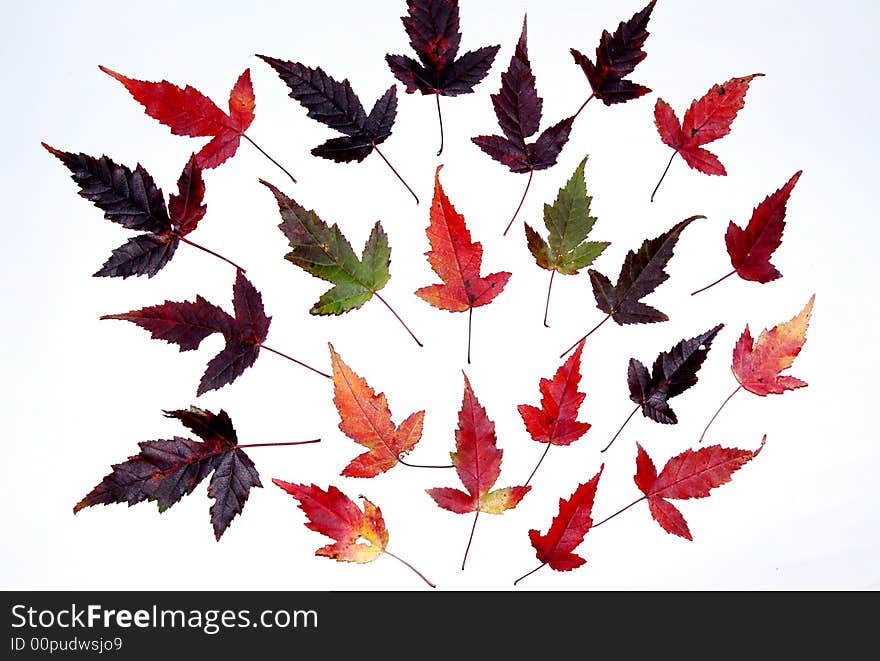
(406, 463)
(402, 561)
(703, 435)
(574, 346)
(470, 326)
(546, 450)
(298, 362)
(664, 175)
(402, 323)
(439, 117)
(547, 305)
(635, 410)
(721, 279)
(523, 199)
(541, 566)
(620, 511)
(583, 105)
(260, 149)
(470, 539)
(272, 445)
(388, 163)
(183, 239)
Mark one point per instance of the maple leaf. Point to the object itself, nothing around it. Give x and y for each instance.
(757, 365)
(706, 120)
(750, 249)
(569, 223)
(189, 112)
(518, 109)
(359, 535)
(457, 260)
(556, 423)
(335, 104)
(187, 323)
(477, 462)
(617, 56)
(674, 371)
(642, 272)
(691, 474)
(324, 252)
(165, 471)
(132, 199)
(567, 530)
(432, 27)
(366, 419)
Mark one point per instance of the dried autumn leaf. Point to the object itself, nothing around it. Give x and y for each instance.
(432, 28)
(707, 120)
(187, 323)
(518, 109)
(567, 530)
(335, 104)
(556, 423)
(750, 249)
(568, 222)
(642, 272)
(167, 470)
(132, 199)
(189, 112)
(360, 535)
(366, 419)
(324, 252)
(674, 371)
(457, 260)
(757, 365)
(617, 56)
(477, 462)
(691, 474)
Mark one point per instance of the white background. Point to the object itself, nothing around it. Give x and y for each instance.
(79, 393)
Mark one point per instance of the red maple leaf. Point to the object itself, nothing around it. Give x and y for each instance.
(757, 364)
(556, 423)
(457, 260)
(692, 474)
(750, 249)
(186, 111)
(359, 535)
(708, 119)
(567, 530)
(477, 461)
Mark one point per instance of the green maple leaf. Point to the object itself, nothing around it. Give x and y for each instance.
(323, 251)
(568, 222)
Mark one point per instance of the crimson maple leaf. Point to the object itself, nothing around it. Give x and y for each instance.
(617, 56)
(750, 249)
(556, 423)
(187, 323)
(165, 471)
(477, 461)
(186, 111)
(518, 109)
(691, 474)
(708, 119)
(359, 535)
(432, 27)
(132, 199)
(457, 260)
(567, 530)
